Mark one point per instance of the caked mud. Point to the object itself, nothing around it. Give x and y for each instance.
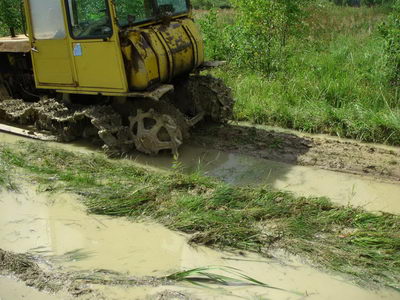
(53, 236)
(307, 150)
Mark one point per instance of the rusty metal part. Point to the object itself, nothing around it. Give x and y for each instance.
(152, 132)
(19, 44)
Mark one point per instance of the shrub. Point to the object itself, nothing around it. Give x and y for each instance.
(257, 36)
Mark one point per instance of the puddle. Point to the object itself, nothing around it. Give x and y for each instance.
(60, 228)
(341, 188)
(57, 226)
(11, 289)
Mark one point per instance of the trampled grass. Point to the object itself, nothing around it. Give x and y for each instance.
(334, 80)
(345, 239)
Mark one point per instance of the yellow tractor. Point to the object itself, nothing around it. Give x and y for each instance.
(124, 72)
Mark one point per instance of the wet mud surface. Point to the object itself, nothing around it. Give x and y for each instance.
(306, 150)
(98, 257)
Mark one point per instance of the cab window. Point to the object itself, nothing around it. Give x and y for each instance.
(47, 20)
(134, 11)
(173, 6)
(131, 12)
(89, 19)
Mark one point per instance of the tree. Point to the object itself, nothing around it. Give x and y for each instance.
(10, 16)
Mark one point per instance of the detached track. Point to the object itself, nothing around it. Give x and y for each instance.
(326, 153)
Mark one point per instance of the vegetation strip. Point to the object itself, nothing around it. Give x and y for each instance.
(314, 66)
(344, 239)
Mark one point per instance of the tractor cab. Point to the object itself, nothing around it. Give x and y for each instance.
(111, 47)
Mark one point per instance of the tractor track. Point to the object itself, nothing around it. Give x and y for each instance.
(147, 125)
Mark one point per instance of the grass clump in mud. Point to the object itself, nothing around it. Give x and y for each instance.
(5, 176)
(345, 239)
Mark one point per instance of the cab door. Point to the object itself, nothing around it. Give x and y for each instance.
(96, 51)
(50, 50)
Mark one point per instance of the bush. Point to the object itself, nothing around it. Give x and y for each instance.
(258, 36)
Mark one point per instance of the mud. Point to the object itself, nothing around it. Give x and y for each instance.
(306, 150)
(55, 229)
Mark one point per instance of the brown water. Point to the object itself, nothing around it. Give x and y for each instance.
(10, 289)
(341, 188)
(57, 226)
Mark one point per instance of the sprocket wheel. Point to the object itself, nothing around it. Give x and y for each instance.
(152, 132)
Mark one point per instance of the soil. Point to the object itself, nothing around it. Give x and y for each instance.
(294, 148)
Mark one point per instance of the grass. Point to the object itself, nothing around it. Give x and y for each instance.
(344, 239)
(211, 275)
(207, 4)
(6, 180)
(334, 79)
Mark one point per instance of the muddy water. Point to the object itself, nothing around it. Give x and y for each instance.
(10, 289)
(57, 226)
(344, 189)
(341, 188)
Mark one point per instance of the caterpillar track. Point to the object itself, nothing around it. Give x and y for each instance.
(143, 124)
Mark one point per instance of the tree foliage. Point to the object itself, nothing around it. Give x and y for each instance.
(258, 37)
(10, 17)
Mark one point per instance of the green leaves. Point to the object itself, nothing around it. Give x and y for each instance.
(256, 35)
(10, 16)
